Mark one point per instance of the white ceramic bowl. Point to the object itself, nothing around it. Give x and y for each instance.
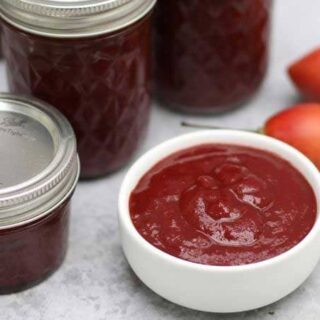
(216, 288)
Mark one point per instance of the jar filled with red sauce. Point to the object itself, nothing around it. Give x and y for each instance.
(91, 61)
(210, 55)
(223, 205)
(39, 171)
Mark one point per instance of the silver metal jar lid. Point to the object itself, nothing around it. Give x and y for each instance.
(39, 167)
(73, 18)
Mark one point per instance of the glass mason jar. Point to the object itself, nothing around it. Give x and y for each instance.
(91, 61)
(39, 172)
(210, 55)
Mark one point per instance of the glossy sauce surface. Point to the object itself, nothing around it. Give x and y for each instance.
(223, 205)
(101, 84)
(210, 55)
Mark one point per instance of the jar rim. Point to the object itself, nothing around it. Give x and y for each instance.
(73, 19)
(41, 164)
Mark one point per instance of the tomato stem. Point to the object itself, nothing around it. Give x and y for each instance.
(211, 127)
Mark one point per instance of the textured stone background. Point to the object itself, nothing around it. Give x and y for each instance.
(95, 281)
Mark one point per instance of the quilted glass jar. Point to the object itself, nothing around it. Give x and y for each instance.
(91, 61)
(39, 171)
(210, 55)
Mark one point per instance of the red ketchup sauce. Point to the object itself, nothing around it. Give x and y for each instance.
(223, 205)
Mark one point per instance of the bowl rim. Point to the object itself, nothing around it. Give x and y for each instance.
(124, 194)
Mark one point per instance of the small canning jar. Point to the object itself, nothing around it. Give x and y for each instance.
(39, 171)
(91, 60)
(210, 55)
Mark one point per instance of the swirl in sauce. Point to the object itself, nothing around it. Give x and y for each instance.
(223, 205)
